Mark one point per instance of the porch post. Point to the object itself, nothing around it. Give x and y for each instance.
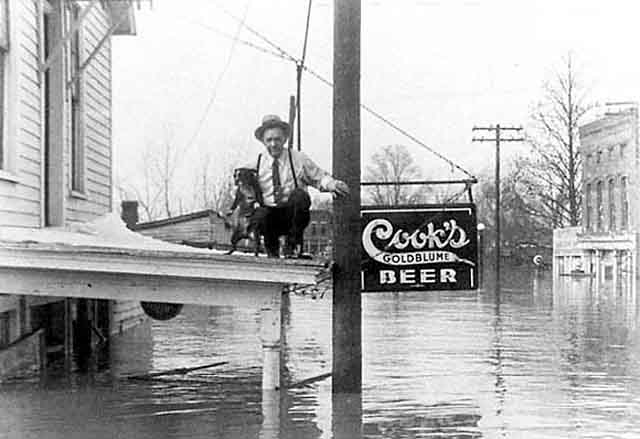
(270, 428)
(270, 333)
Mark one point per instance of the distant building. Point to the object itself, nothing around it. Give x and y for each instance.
(606, 243)
(318, 235)
(203, 229)
(206, 229)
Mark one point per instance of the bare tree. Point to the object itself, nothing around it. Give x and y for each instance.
(394, 164)
(154, 184)
(163, 166)
(213, 190)
(554, 172)
(142, 188)
(520, 222)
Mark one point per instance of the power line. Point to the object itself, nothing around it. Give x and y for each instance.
(397, 128)
(214, 92)
(363, 106)
(258, 34)
(233, 37)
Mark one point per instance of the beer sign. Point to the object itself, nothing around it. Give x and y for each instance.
(419, 248)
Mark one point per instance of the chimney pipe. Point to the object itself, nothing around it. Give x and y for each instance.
(130, 213)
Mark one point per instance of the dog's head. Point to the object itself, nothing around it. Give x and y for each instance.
(245, 176)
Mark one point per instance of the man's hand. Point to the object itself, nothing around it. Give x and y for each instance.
(339, 188)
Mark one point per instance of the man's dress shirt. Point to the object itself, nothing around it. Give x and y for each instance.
(307, 174)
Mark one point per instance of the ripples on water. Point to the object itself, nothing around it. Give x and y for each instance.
(542, 362)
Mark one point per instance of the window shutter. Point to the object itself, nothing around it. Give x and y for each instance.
(4, 25)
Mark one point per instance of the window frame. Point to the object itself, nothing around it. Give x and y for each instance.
(8, 167)
(624, 203)
(599, 206)
(76, 100)
(611, 185)
(587, 208)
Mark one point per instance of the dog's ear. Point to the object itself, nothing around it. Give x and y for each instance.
(240, 174)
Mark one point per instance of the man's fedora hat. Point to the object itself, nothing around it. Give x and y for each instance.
(272, 121)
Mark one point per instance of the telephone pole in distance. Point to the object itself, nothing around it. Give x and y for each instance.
(497, 130)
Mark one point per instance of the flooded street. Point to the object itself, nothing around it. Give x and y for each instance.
(540, 361)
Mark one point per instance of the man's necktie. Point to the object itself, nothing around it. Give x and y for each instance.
(277, 187)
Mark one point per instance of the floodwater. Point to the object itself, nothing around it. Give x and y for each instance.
(541, 360)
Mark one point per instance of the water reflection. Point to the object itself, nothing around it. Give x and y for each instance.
(346, 415)
(543, 358)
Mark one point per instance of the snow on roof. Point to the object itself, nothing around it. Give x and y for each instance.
(108, 231)
(106, 245)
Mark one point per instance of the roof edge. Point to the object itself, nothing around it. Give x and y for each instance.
(173, 220)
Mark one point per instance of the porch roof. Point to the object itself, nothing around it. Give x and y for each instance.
(107, 246)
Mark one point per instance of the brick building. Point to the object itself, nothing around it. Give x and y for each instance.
(606, 243)
(318, 235)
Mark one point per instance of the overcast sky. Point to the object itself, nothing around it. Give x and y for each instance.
(435, 68)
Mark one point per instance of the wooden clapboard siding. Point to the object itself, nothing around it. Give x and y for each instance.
(198, 228)
(97, 124)
(98, 149)
(20, 202)
(9, 216)
(191, 230)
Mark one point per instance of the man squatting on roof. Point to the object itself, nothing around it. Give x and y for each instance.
(284, 175)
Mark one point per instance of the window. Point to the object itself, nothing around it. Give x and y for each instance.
(599, 207)
(587, 208)
(624, 204)
(76, 85)
(612, 205)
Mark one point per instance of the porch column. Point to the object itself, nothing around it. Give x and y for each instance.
(270, 332)
(270, 428)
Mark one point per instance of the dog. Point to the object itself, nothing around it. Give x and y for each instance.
(241, 218)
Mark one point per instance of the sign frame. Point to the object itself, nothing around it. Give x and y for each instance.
(425, 247)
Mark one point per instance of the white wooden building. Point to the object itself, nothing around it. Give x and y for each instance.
(55, 131)
(63, 256)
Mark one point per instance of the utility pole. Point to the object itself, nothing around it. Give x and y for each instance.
(497, 139)
(347, 308)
